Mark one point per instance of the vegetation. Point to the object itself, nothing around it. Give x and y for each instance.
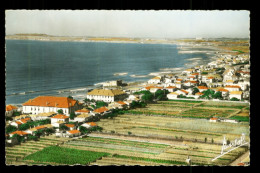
(234, 99)
(72, 116)
(70, 97)
(63, 155)
(147, 96)
(240, 118)
(136, 104)
(187, 101)
(60, 111)
(16, 113)
(161, 95)
(210, 94)
(18, 137)
(83, 130)
(100, 104)
(10, 129)
(182, 96)
(195, 90)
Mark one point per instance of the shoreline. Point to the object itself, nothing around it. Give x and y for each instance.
(176, 71)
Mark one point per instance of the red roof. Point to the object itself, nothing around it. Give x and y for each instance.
(232, 86)
(191, 77)
(18, 122)
(241, 164)
(171, 87)
(222, 90)
(122, 103)
(92, 124)
(23, 120)
(74, 131)
(19, 133)
(82, 110)
(179, 79)
(202, 87)
(101, 110)
(51, 101)
(199, 93)
(70, 125)
(40, 127)
(60, 116)
(210, 77)
(194, 82)
(185, 91)
(195, 74)
(10, 107)
(214, 118)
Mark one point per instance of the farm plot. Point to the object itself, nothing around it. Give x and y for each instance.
(61, 155)
(201, 154)
(206, 113)
(15, 154)
(172, 128)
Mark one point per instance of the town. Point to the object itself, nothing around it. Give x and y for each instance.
(222, 87)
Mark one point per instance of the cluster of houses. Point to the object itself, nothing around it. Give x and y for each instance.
(229, 75)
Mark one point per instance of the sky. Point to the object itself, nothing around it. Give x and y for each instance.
(119, 23)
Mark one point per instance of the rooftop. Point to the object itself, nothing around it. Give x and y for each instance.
(106, 92)
(10, 107)
(51, 101)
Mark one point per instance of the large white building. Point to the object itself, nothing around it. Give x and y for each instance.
(107, 95)
(43, 104)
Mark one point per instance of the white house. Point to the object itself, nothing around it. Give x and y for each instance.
(113, 83)
(89, 124)
(171, 88)
(178, 84)
(236, 94)
(83, 117)
(231, 88)
(172, 95)
(73, 133)
(9, 110)
(202, 88)
(81, 111)
(155, 80)
(71, 126)
(107, 95)
(59, 119)
(43, 104)
(213, 120)
(224, 92)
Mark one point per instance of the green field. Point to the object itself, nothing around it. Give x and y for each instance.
(63, 155)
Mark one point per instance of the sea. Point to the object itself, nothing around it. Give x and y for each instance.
(37, 68)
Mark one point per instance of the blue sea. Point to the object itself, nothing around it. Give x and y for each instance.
(36, 68)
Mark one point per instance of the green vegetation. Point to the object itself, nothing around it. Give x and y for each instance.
(10, 129)
(240, 118)
(234, 99)
(65, 155)
(239, 51)
(100, 104)
(242, 63)
(182, 96)
(161, 94)
(187, 101)
(136, 104)
(60, 111)
(210, 94)
(150, 160)
(72, 116)
(147, 96)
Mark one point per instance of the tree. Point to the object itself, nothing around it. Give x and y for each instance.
(10, 129)
(195, 90)
(83, 130)
(31, 137)
(24, 126)
(70, 97)
(212, 140)
(60, 111)
(8, 118)
(100, 104)
(147, 97)
(129, 133)
(205, 140)
(63, 127)
(16, 113)
(72, 116)
(234, 99)
(208, 94)
(49, 131)
(217, 95)
(161, 94)
(18, 137)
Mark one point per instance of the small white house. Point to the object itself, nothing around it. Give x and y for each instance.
(59, 118)
(73, 133)
(236, 94)
(172, 95)
(9, 110)
(155, 80)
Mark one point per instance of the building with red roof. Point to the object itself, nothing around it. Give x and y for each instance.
(59, 118)
(73, 133)
(42, 104)
(9, 110)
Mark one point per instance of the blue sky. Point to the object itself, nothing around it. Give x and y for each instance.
(144, 24)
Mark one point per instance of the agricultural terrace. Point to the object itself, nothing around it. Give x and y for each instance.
(127, 152)
(16, 154)
(191, 109)
(68, 156)
(173, 128)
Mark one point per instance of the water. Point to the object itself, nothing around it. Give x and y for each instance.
(36, 68)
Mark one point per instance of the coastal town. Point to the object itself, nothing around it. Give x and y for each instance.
(215, 94)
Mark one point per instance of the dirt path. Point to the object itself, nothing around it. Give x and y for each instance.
(138, 139)
(241, 158)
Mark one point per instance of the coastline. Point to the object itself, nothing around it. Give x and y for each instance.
(177, 71)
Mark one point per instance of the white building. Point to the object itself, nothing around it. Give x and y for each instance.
(43, 104)
(59, 119)
(155, 80)
(113, 83)
(107, 95)
(9, 110)
(236, 94)
(173, 95)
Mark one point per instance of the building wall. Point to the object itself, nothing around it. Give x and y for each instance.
(40, 109)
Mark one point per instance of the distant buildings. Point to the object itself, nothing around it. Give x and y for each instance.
(106, 95)
(43, 104)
